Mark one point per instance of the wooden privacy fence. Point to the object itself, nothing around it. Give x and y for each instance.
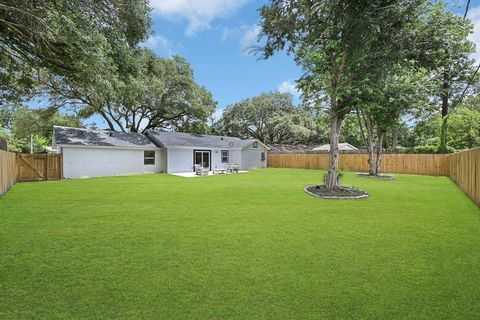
(462, 167)
(465, 171)
(422, 164)
(38, 167)
(28, 167)
(8, 170)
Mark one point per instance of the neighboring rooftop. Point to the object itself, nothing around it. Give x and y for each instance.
(181, 139)
(289, 147)
(341, 147)
(105, 138)
(303, 148)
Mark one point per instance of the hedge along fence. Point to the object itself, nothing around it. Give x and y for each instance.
(465, 171)
(422, 164)
(8, 170)
(462, 167)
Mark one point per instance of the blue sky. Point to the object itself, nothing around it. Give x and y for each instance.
(213, 35)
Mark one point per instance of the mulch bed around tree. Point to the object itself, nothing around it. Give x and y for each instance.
(340, 193)
(381, 177)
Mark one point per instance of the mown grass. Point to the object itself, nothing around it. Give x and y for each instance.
(249, 246)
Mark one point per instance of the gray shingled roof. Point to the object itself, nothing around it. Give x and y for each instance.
(170, 139)
(85, 137)
(152, 138)
(289, 148)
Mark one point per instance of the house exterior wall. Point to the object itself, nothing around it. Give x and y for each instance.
(80, 162)
(234, 157)
(163, 160)
(252, 157)
(180, 159)
(87, 161)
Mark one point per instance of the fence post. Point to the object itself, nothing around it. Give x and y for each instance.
(61, 166)
(46, 167)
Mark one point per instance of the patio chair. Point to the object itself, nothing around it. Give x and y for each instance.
(201, 171)
(235, 168)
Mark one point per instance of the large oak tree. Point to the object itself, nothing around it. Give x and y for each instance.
(66, 38)
(338, 43)
(142, 92)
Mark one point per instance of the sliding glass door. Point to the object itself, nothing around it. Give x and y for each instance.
(202, 158)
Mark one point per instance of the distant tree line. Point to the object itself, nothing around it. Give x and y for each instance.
(273, 118)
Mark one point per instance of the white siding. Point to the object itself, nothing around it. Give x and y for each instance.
(234, 157)
(252, 157)
(96, 161)
(180, 159)
(163, 160)
(79, 162)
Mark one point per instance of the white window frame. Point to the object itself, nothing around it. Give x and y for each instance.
(255, 145)
(145, 158)
(227, 156)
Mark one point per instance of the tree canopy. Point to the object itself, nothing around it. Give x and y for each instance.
(84, 58)
(25, 124)
(339, 44)
(145, 92)
(443, 48)
(269, 117)
(64, 37)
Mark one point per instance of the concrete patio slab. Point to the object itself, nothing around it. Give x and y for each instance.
(210, 173)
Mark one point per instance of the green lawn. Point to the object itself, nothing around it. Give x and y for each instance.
(249, 246)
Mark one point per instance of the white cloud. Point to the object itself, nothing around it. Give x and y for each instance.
(158, 43)
(199, 14)
(245, 35)
(226, 33)
(289, 87)
(474, 15)
(250, 36)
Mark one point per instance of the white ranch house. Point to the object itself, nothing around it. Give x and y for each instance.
(95, 153)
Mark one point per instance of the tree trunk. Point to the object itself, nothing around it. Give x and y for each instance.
(445, 97)
(394, 138)
(385, 141)
(368, 138)
(332, 176)
(378, 166)
(370, 146)
(371, 155)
